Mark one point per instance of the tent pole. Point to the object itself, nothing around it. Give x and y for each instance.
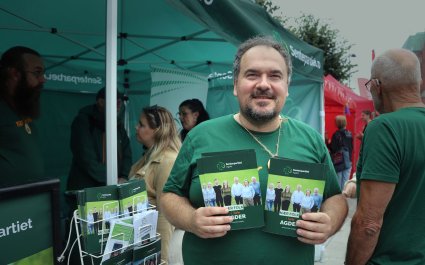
(111, 92)
(322, 109)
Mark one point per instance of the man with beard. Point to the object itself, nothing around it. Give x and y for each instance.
(387, 227)
(88, 145)
(262, 71)
(21, 82)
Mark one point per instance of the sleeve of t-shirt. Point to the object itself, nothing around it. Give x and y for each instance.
(180, 177)
(381, 156)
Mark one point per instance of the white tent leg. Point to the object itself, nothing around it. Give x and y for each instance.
(111, 92)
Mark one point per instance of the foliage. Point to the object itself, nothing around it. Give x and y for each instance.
(321, 35)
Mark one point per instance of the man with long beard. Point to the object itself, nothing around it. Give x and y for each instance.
(21, 82)
(262, 72)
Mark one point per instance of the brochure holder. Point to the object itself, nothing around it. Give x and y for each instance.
(98, 256)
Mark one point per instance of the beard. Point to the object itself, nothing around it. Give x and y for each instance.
(259, 117)
(27, 99)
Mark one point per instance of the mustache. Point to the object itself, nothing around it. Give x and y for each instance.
(263, 93)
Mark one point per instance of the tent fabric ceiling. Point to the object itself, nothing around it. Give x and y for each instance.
(189, 34)
(70, 35)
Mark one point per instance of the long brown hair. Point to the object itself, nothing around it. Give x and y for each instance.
(165, 136)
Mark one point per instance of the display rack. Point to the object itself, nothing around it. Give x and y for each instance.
(83, 253)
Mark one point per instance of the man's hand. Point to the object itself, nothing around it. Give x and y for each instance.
(315, 228)
(209, 222)
(350, 190)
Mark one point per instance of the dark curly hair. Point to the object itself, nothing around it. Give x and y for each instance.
(195, 105)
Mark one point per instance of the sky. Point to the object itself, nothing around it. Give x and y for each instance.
(368, 24)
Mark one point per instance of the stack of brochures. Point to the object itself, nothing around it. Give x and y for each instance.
(118, 225)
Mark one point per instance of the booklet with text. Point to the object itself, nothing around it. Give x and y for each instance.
(145, 226)
(133, 197)
(230, 179)
(101, 206)
(293, 188)
(120, 237)
(148, 254)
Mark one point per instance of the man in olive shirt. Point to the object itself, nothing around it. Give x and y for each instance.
(21, 82)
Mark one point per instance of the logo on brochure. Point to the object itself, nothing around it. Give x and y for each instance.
(221, 166)
(287, 170)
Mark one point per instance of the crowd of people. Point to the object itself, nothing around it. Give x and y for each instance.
(389, 172)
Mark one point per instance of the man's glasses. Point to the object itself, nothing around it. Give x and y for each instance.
(153, 110)
(368, 84)
(37, 74)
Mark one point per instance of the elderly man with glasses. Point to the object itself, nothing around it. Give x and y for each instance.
(387, 227)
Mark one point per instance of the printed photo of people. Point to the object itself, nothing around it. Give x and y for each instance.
(240, 187)
(99, 215)
(293, 194)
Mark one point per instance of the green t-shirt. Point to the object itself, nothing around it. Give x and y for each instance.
(393, 150)
(251, 246)
(21, 159)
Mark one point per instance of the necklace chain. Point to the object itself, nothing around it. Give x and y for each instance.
(260, 143)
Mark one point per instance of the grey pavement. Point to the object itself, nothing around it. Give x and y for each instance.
(333, 251)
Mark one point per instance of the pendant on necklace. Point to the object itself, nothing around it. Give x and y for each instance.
(27, 128)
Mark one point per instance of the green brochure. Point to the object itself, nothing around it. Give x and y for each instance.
(147, 254)
(133, 197)
(124, 258)
(293, 188)
(101, 207)
(230, 179)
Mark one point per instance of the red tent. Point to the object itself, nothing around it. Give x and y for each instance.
(341, 100)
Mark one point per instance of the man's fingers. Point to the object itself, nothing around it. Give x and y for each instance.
(209, 222)
(311, 226)
(209, 211)
(213, 216)
(312, 233)
(213, 232)
(314, 228)
(309, 241)
(316, 217)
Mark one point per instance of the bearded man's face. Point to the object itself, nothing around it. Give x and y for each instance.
(28, 88)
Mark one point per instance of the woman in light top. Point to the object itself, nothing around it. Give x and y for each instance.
(270, 195)
(307, 202)
(158, 134)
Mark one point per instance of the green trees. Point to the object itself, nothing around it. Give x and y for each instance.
(319, 34)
